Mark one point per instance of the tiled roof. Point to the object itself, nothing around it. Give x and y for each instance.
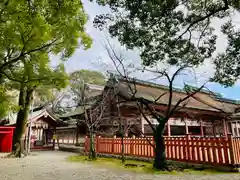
(35, 115)
(203, 100)
(214, 95)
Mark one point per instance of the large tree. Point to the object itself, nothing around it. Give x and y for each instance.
(174, 103)
(177, 32)
(93, 104)
(31, 31)
(38, 28)
(32, 75)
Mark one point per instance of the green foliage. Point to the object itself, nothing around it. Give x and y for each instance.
(6, 102)
(37, 28)
(228, 63)
(41, 78)
(79, 81)
(43, 95)
(88, 76)
(33, 30)
(176, 32)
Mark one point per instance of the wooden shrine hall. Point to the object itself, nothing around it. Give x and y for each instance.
(44, 125)
(204, 114)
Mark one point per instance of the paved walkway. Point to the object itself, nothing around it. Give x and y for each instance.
(53, 166)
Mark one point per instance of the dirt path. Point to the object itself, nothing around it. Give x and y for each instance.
(53, 166)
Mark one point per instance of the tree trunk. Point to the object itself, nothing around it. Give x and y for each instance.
(160, 153)
(92, 153)
(20, 124)
(22, 117)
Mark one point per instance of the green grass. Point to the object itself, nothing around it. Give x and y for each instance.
(116, 163)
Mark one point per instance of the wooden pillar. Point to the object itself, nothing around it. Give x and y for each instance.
(142, 124)
(214, 129)
(201, 127)
(237, 132)
(125, 127)
(54, 140)
(68, 137)
(234, 125)
(231, 150)
(77, 136)
(47, 132)
(39, 129)
(186, 127)
(225, 128)
(44, 136)
(41, 134)
(168, 129)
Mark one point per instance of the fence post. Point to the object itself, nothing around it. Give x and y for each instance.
(231, 150)
(113, 144)
(188, 148)
(132, 142)
(97, 143)
(86, 143)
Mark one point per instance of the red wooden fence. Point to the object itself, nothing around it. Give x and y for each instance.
(235, 148)
(218, 151)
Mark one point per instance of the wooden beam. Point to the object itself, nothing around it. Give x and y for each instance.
(186, 126)
(77, 135)
(214, 129)
(225, 128)
(236, 130)
(168, 129)
(201, 126)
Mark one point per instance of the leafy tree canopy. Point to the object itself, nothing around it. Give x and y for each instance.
(33, 75)
(38, 28)
(79, 81)
(177, 32)
(88, 76)
(30, 32)
(7, 102)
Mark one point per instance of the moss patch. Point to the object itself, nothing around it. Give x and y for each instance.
(135, 166)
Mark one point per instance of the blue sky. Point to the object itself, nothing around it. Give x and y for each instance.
(96, 57)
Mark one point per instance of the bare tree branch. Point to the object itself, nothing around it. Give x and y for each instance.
(171, 89)
(189, 95)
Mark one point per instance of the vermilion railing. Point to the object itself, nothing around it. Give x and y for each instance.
(212, 150)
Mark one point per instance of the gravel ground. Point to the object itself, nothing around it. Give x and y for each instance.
(53, 166)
